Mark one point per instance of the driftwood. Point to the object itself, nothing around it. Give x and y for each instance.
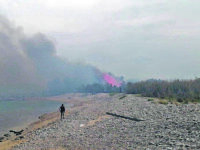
(17, 132)
(1, 139)
(125, 117)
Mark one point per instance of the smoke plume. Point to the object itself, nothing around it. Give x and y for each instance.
(29, 66)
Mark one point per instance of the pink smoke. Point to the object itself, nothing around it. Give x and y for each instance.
(111, 80)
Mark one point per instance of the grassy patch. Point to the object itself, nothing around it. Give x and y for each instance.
(138, 95)
(178, 101)
(194, 101)
(175, 103)
(164, 102)
(112, 94)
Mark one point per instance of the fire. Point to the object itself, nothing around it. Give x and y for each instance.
(111, 80)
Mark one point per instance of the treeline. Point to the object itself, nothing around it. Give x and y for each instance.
(99, 88)
(181, 90)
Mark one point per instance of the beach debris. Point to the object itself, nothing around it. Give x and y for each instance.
(17, 132)
(19, 138)
(82, 125)
(6, 135)
(122, 97)
(1, 139)
(125, 117)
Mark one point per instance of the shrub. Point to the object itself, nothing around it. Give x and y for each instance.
(186, 102)
(180, 100)
(150, 99)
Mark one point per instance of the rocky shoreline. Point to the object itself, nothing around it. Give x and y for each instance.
(88, 126)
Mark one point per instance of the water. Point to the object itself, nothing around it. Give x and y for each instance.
(17, 113)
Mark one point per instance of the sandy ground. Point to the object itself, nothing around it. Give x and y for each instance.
(77, 101)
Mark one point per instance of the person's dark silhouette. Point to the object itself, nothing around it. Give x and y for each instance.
(62, 111)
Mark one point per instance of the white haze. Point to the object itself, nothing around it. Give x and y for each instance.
(137, 39)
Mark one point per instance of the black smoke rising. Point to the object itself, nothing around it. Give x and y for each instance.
(29, 66)
(17, 72)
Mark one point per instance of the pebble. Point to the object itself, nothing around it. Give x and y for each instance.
(164, 127)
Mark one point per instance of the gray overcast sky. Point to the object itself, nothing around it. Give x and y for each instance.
(138, 39)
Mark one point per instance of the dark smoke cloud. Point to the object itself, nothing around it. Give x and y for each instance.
(29, 66)
(17, 72)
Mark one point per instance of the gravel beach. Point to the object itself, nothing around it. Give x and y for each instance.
(87, 126)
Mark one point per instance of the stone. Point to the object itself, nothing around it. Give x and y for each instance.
(7, 135)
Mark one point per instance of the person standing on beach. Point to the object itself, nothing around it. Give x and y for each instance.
(62, 111)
